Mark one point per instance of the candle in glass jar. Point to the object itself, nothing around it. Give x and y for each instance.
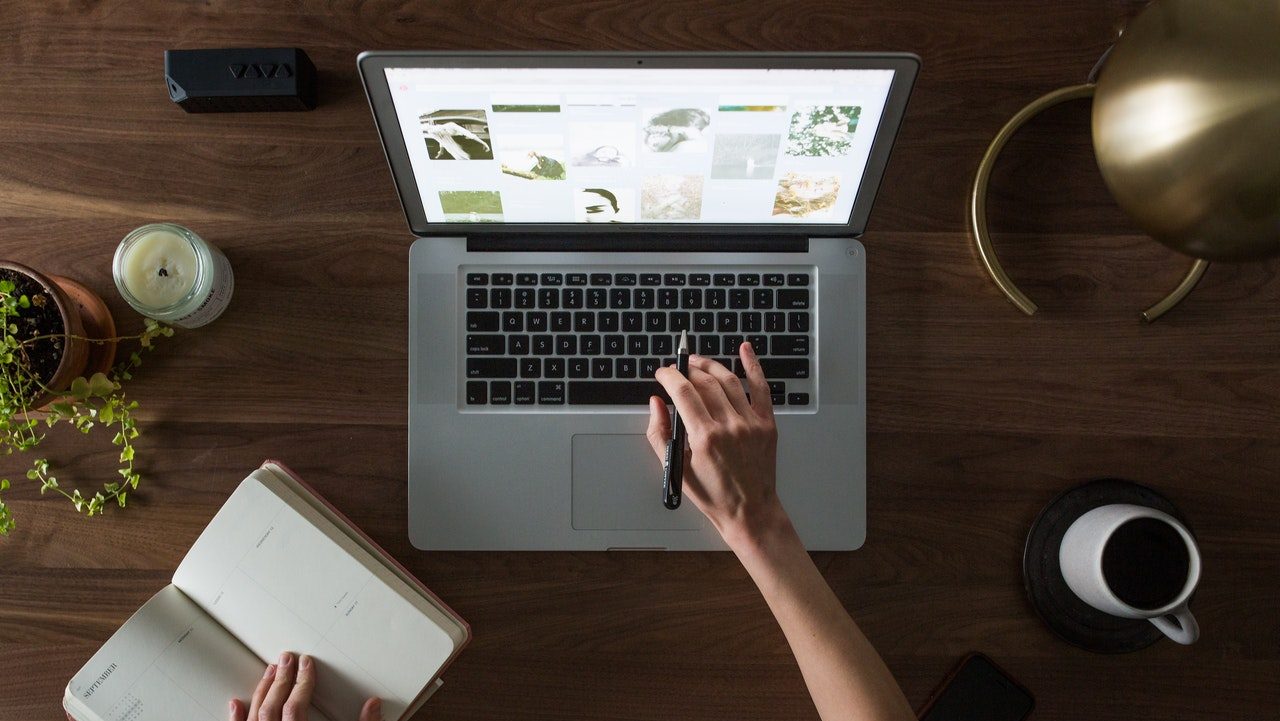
(167, 272)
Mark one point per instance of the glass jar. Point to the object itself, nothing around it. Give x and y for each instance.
(167, 272)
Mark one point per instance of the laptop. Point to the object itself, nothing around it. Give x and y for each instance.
(575, 212)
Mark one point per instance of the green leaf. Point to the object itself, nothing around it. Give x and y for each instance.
(63, 408)
(126, 454)
(24, 301)
(79, 388)
(121, 498)
(4, 484)
(100, 385)
(107, 414)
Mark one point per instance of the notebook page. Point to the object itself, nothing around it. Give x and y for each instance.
(170, 660)
(265, 571)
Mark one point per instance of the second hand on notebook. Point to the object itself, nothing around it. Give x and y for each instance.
(673, 468)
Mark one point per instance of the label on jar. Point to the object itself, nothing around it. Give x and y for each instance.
(218, 297)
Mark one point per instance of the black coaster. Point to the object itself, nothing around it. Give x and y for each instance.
(1075, 621)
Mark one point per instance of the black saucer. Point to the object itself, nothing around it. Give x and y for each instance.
(1075, 621)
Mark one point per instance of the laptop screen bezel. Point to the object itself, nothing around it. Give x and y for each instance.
(373, 65)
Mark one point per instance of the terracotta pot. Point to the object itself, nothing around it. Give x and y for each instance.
(84, 314)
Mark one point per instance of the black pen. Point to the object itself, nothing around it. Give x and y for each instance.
(673, 468)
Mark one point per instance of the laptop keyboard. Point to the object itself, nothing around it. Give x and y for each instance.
(596, 336)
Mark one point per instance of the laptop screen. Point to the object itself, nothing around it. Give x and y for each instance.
(638, 145)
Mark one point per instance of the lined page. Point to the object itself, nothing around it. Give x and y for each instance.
(267, 573)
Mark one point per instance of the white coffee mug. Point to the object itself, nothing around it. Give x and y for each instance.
(1081, 559)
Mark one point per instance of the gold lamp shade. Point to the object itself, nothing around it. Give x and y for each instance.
(1186, 130)
(1186, 126)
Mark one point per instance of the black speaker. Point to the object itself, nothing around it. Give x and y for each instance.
(237, 80)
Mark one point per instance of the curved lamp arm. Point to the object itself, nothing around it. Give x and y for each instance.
(978, 210)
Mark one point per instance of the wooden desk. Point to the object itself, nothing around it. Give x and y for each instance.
(977, 414)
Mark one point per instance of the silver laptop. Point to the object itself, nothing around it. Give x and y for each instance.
(575, 213)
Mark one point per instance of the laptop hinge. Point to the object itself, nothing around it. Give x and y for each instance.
(627, 242)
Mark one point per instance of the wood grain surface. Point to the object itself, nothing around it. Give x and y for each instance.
(977, 415)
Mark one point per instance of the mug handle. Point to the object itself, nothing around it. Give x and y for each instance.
(1185, 631)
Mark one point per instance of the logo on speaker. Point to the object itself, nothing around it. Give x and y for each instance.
(255, 71)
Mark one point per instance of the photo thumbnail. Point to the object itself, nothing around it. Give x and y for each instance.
(671, 197)
(604, 205)
(822, 131)
(744, 156)
(676, 131)
(806, 195)
(457, 135)
(602, 145)
(471, 206)
(532, 157)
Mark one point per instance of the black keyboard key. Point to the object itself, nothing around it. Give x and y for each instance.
(731, 344)
(613, 393)
(624, 279)
(518, 345)
(789, 345)
(500, 393)
(774, 279)
(673, 279)
(655, 321)
(703, 323)
(625, 368)
(584, 321)
(524, 393)
(716, 299)
(680, 321)
(699, 279)
(548, 298)
(708, 345)
(793, 299)
(601, 279)
(543, 345)
(597, 298)
(566, 345)
(491, 367)
(601, 367)
(535, 322)
(668, 298)
(649, 366)
(798, 322)
(500, 298)
(552, 279)
(589, 344)
(663, 345)
(691, 299)
(526, 278)
(632, 322)
(571, 297)
(723, 279)
(620, 298)
(607, 322)
(530, 367)
(502, 279)
(777, 387)
(778, 368)
(644, 297)
(512, 322)
(526, 298)
(739, 299)
(476, 298)
(477, 393)
(752, 323)
(637, 345)
(749, 279)
(762, 298)
(759, 343)
(576, 279)
(561, 322)
(482, 322)
(486, 345)
(477, 278)
(727, 322)
(797, 279)
(615, 345)
(775, 322)
(579, 368)
(798, 399)
(778, 399)
(551, 393)
(650, 279)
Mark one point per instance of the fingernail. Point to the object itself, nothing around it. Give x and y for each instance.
(271, 671)
(285, 659)
(377, 704)
(304, 661)
(231, 705)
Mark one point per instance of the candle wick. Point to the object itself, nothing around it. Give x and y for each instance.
(164, 273)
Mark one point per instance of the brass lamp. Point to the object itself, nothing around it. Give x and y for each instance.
(1186, 130)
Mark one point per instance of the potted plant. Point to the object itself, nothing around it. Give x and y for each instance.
(57, 345)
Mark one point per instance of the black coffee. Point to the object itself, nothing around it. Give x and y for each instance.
(1145, 563)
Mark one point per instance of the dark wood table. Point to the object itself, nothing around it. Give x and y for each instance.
(978, 415)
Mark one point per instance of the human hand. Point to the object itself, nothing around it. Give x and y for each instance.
(284, 694)
(731, 462)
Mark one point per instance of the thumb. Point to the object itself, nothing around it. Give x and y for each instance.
(659, 431)
(372, 710)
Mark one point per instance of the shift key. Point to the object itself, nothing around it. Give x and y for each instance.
(779, 368)
(491, 367)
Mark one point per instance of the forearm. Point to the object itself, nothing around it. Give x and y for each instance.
(846, 677)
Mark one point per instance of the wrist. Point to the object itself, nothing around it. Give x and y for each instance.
(766, 529)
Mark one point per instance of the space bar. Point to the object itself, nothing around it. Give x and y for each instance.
(609, 393)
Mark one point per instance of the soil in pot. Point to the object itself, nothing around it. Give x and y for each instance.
(41, 319)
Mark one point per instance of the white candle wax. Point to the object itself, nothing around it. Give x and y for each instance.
(159, 268)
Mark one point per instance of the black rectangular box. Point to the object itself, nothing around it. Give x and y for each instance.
(233, 80)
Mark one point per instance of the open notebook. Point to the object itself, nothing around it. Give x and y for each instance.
(277, 569)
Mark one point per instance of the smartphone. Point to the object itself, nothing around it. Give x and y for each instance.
(978, 690)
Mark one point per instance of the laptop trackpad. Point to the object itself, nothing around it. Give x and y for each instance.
(617, 486)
